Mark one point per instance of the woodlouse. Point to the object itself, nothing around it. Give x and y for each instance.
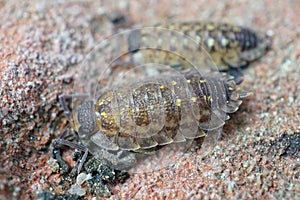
(229, 46)
(154, 113)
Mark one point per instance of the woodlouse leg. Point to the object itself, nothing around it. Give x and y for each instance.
(56, 154)
(78, 147)
(210, 141)
(63, 103)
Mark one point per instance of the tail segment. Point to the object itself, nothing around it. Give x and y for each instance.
(235, 95)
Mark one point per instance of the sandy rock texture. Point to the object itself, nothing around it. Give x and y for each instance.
(42, 42)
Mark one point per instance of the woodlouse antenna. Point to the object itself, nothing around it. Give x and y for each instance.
(62, 99)
(61, 140)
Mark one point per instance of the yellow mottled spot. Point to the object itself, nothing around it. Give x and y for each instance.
(185, 28)
(161, 87)
(188, 81)
(210, 42)
(210, 27)
(178, 102)
(165, 102)
(204, 97)
(237, 29)
(174, 82)
(198, 39)
(103, 114)
(194, 99)
(172, 27)
(230, 88)
(209, 98)
(202, 81)
(101, 103)
(224, 42)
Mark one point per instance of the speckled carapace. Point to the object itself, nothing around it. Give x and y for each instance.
(144, 116)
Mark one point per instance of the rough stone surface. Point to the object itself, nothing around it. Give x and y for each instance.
(42, 42)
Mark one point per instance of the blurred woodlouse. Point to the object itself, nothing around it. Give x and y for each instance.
(229, 46)
(143, 116)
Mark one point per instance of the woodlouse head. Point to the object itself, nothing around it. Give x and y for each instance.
(84, 119)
